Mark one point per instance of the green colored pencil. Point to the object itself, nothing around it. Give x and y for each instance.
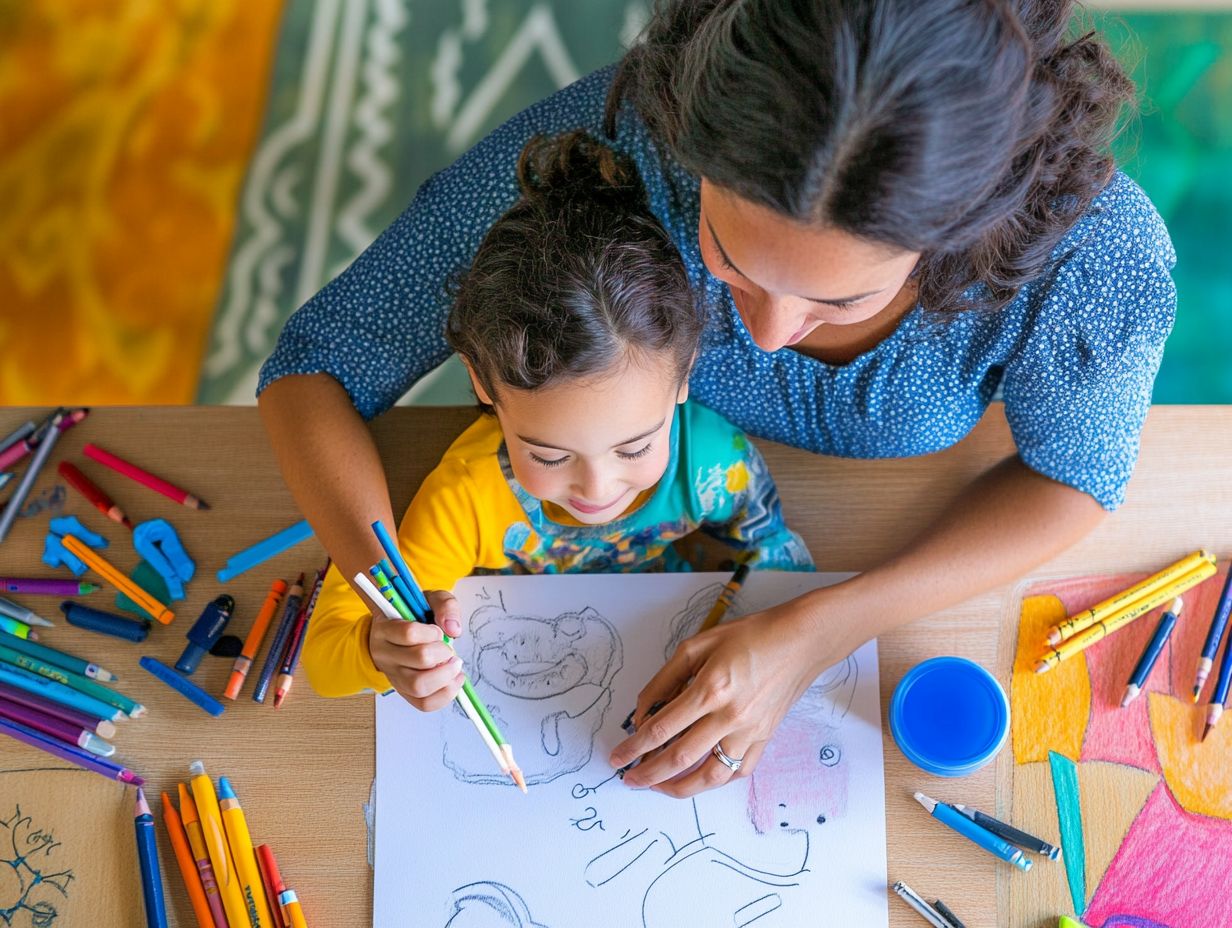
(79, 683)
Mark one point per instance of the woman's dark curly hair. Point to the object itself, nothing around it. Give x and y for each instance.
(577, 277)
(975, 132)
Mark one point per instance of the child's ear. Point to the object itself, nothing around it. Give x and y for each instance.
(480, 393)
(683, 393)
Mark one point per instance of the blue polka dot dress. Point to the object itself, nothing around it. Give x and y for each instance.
(1074, 355)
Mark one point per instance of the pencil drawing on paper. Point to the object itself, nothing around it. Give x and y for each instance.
(30, 886)
(489, 905)
(547, 683)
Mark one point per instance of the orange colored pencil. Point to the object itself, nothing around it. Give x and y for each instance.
(188, 867)
(122, 583)
(252, 644)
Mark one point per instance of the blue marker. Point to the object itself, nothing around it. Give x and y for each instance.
(184, 686)
(974, 833)
(403, 570)
(57, 692)
(105, 623)
(205, 633)
(147, 857)
(1154, 647)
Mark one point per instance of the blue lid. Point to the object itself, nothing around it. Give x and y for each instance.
(949, 716)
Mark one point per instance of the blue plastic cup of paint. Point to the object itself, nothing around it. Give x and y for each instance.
(949, 716)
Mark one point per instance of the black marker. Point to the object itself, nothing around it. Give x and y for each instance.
(1010, 833)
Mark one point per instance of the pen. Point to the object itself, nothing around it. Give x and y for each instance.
(1009, 832)
(913, 899)
(974, 833)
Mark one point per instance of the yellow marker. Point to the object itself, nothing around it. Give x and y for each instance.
(245, 857)
(292, 914)
(1118, 620)
(216, 844)
(1088, 617)
(1067, 922)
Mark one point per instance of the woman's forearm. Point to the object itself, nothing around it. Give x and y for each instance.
(331, 465)
(1008, 521)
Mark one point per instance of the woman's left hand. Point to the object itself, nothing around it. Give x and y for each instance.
(729, 686)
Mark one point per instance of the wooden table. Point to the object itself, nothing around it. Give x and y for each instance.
(305, 770)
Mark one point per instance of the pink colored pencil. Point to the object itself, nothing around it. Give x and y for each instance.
(18, 450)
(143, 477)
(101, 727)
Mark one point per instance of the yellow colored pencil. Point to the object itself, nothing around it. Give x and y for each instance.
(216, 844)
(1083, 620)
(724, 601)
(1118, 620)
(246, 868)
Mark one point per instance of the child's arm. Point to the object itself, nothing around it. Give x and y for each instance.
(348, 650)
(753, 522)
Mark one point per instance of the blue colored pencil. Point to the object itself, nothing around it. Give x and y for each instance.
(147, 857)
(1154, 647)
(57, 692)
(1219, 621)
(401, 568)
(273, 659)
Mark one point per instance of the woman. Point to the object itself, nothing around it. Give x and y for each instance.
(891, 208)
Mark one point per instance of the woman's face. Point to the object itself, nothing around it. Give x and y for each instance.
(787, 279)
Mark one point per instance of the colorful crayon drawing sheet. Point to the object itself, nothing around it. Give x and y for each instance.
(65, 863)
(1141, 807)
(559, 661)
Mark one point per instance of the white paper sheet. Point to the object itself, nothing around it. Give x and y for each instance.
(560, 661)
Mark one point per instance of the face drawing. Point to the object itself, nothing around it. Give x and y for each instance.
(533, 658)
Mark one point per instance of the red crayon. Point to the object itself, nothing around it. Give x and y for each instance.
(272, 880)
(96, 497)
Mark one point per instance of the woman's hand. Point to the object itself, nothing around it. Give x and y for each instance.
(732, 686)
(420, 666)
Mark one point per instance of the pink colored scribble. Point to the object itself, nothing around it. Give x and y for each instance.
(801, 779)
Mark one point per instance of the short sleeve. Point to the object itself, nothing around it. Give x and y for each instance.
(379, 326)
(1077, 394)
(440, 533)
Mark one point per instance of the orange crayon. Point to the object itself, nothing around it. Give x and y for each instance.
(252, 644)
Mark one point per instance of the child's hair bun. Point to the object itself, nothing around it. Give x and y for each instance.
(575, 169)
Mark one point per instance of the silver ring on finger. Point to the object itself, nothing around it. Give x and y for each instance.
(731, 763)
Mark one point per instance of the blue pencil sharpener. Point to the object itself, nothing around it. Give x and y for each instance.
(205, 633)
(949, 716)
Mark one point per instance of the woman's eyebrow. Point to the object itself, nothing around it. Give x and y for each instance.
(628, 441)
(812, 299)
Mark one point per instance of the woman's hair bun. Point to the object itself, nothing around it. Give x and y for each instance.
(575, 168)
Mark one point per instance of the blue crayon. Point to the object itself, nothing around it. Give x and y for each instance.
(1146, 663)
(974, 833)
(57, 692)
(185, 687)
(264, 550)
(105, 623)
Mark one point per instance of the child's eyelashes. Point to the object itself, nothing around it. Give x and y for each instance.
(548, 462)
(623, 455)
(634, 455)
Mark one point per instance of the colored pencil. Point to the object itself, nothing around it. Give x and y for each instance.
(14, 452)
(291, 910)
(242, 854)
(1150, 654)
(401, 568)
(147, 857)
(295, 644)
(17, 629)
(252, 643)
(22, 614)
(723, 603)
(94, 496)
(272, 878)
(53, 727)
(188, 868)
(1219, 622)
(130, 707)
(201, 856)
(1088, 617)
(47, 586)
(273, 657)
(1009, 832)
(41, 453)
(1118, 620)
(57, 692)
(143, 477)
(58, 658)
(916, 901)
(216, 844)
(979, 836)
(69, 753)
(101, 727)
(265, 549)
(129, 588)
(24, 430)
(1220, 695)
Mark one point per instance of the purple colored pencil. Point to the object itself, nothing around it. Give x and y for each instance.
(54, 728)
(101, 727)
(69, 753)
(46, 586)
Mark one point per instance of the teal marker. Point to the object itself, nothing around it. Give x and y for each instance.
(974, 833)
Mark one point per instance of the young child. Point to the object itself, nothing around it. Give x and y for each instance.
(578, 327)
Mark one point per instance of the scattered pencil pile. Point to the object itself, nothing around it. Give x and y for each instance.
(398, 596)
(230, 883)
(1080, 631)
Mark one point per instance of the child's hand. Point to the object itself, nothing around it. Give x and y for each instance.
(420, 666)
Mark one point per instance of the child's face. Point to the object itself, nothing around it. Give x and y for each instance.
(592, 446)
